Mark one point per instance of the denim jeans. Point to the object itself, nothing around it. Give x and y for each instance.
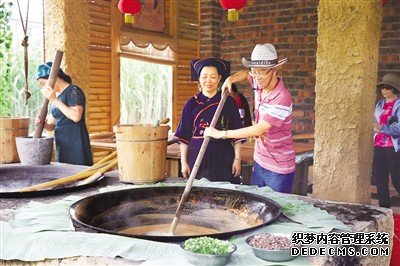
(278, 182)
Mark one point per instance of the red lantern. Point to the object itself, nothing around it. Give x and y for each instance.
(233, 6)
(129, 8)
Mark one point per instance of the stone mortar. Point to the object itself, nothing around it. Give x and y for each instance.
(34, 151)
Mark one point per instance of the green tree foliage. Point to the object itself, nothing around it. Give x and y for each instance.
(5, 53)
(17, 97)
(12, 80)
(144, 91)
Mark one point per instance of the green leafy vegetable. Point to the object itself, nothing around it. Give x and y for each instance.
(207, 245)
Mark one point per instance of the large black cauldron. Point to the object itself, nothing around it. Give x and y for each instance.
(229, 212)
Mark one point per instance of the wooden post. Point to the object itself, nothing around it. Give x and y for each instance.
(116, 22)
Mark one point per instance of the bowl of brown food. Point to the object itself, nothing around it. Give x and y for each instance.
(208, 251)
(271, 246)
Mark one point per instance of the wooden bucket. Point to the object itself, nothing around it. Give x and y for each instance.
(142, 152)
(10, 128)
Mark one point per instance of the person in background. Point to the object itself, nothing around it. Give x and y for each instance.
(274, 157)
(243, 105)
(222, 159)
(387, 138)
(66, 117)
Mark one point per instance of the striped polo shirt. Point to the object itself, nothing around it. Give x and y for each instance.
(274, 150)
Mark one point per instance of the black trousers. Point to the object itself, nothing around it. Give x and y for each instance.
(386, 161)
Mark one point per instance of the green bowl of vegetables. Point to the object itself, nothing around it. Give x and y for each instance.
(208, 251)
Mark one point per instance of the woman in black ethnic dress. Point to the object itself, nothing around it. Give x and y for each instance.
(222, 160)
(66, 117)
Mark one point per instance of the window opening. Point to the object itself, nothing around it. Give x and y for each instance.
(146, 91)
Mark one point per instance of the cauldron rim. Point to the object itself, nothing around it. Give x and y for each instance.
(173, 239)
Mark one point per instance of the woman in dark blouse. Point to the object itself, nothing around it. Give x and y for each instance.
(66, 117)
(222, 160)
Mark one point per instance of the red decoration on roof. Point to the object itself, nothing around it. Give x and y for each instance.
(233, 6)
(129, 8)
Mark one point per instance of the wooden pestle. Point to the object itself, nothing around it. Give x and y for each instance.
(51, 82)
(196, 166)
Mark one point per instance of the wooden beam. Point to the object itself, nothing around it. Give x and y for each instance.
(173, 29)
(116, 23)
(147, 59)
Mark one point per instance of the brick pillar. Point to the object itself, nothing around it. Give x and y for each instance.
(67, 26)
(347, 63)
(210, 34)
(389, 50)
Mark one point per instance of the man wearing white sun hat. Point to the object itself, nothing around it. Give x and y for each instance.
(274, 158)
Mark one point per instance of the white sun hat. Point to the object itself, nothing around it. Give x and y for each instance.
(263, 55)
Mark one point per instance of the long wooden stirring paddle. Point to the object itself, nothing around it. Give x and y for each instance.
(196, 166)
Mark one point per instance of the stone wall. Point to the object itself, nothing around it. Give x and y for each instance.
(292, 26)
(347, 63)
(67, 29)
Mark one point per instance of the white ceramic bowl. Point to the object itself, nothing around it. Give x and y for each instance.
(276, 255)
(208, 259)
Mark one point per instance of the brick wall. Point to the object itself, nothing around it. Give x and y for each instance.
(291, 25)
(389, 50)
(210, 25)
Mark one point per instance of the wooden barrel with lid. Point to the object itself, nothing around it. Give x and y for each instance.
(10, 128)
(142, 151)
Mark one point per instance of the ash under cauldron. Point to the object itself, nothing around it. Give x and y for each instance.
(222, 212)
